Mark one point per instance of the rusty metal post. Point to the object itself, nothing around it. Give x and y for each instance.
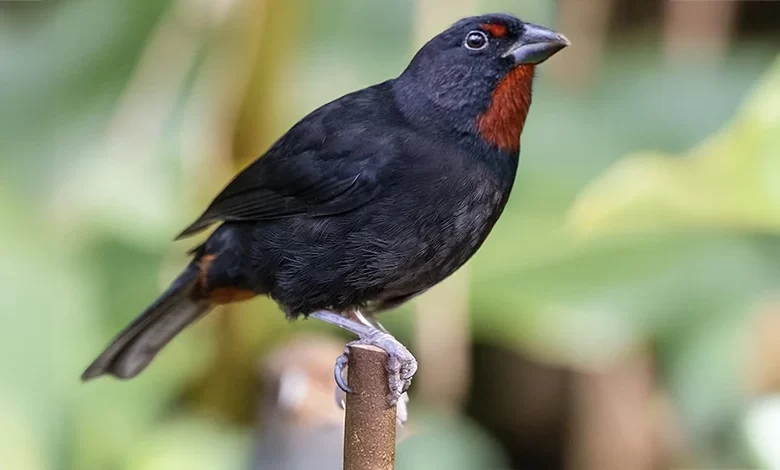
(370, 425)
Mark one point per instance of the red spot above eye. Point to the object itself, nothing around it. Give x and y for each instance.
(496, 30)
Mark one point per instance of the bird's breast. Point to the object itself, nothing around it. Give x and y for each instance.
(475, 213)
(446, 227)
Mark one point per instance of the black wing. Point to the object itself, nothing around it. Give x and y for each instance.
(316, 182)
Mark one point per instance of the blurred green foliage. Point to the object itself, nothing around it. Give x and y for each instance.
(87, 233)
(727, 182)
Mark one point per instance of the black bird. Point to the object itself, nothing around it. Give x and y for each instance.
(366, 202)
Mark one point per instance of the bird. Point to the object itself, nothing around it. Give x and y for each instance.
(366, 202)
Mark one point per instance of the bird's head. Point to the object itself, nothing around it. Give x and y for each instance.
(476, 76)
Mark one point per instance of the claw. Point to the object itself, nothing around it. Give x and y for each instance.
(338, 373)
(402, 412)
(340, 397)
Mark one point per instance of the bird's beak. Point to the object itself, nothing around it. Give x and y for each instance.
(536, 45)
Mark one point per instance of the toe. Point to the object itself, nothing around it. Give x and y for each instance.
(395, 385)
(338, 373)
(394, 365)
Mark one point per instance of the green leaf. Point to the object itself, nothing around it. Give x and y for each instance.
(727, 182)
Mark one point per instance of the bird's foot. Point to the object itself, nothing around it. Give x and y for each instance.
(401, 364)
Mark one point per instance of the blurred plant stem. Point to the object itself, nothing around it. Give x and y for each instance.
(227, 80)
(297, 406)
(762, 365)
(267, 97)
(620, 420)
(137, 125)
(443, 337)
(698, 30)
(255, 52)
(586, 25)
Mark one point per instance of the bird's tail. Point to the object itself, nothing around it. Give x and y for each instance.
(135, 347)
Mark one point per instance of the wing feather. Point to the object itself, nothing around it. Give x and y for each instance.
(310, 183)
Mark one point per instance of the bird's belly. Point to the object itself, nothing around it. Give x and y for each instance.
(377, 257)
(424, 249)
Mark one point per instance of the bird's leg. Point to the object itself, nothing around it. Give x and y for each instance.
(368, 320)
(401, 365)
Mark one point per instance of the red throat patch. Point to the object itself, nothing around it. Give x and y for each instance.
(503, 121)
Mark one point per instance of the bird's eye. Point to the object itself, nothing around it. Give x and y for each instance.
(476, 40)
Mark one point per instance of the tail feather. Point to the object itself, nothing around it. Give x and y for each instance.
(135, 347)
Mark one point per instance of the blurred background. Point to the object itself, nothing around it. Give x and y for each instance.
(624, 313)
